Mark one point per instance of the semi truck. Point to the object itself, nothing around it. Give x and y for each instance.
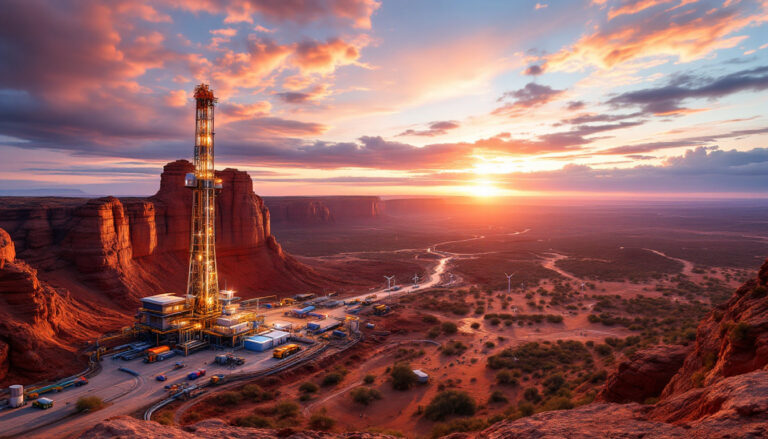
(43, 403)
(286, 351)
(153, 354)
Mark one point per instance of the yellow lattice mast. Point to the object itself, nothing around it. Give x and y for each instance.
(203, 281)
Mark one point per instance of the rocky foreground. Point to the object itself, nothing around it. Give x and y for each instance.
(716, 388)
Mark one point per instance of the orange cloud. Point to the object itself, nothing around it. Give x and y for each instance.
(687, 36)
(323, 58)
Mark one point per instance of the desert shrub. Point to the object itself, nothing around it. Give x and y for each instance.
(454, 348)
(89, 403)
(553, 383)
(165, 418)
(603, 349)
(365, 395)
(449, 403)
(369, 379)
(558, 403)
(497, 397)
(759, 291)
(251, 391)
(458, 426)
(449, 327)
(320, 421)
(433, 332)
(286, 409)
(308, 387)
(533, 356)
(428, 318)
(402, 376)
(525, 409)
(474, 325)
(532, 394)
(506, 378)
(332, 378)
(230, 398)
(739, 333)
(253, 421)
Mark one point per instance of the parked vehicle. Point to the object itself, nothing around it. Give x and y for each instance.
(216, 379)
(161, 377)
(43, 403)
(153, 353)
(178, 365)
(195, 375)
(286, 351)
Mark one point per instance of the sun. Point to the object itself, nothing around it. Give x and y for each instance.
(484, 189)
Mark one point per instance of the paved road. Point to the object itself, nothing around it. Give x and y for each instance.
(126, 393)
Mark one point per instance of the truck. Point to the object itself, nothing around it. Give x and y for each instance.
(153, 353)
(196, 374)
(286, 351)
(43, 403)
(380, 309)
(229, 359)
(287, 301)
(216, 379)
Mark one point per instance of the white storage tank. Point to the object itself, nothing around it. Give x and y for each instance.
(423, 377)
(17, 395)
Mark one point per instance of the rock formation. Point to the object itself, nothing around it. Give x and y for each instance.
(41, 328)
(323, 210)
(93, 256)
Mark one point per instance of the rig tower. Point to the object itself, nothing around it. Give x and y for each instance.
(203, 280)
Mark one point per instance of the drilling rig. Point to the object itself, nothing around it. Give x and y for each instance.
(206, 315)
(203, 280)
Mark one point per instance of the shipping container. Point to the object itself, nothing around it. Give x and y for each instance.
(258, 343)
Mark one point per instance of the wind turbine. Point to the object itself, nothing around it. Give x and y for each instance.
(509, 282)
(416, 278)
(389, 281)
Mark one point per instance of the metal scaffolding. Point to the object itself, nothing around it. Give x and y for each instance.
(203, 281)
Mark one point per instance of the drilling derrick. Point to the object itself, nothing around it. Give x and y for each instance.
(203, 281)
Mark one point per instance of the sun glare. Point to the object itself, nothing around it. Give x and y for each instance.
(484, 189)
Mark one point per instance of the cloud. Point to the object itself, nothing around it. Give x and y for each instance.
(575, 105)
(686, 33)
(355, 12)
(700, 170)
(540, 6)
(324, 58)
(434, 129)
(533, 70)
(313, 94)
(642, 148)
(531, 96)
(668, 99)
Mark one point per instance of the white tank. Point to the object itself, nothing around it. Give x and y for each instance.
(16, 390)
(16, 401)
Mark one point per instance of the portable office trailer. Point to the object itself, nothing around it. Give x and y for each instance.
(258, 343)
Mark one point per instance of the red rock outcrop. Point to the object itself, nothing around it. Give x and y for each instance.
(40, 327)
(323, 210)
(130, 428)
(644, 375)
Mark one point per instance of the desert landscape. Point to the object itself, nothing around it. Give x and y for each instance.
(367, 219)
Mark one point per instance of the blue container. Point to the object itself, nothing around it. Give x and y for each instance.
(338, 333)
(313, 326)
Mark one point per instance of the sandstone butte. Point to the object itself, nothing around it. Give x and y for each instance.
(72, 268)
(716, 388)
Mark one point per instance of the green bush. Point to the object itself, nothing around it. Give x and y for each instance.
(333, 378)
(558, 403)
(532, 394)
(308, 387)
(286, 409)
(525, 409)
(497, 397)
(230, 398)
(433, 332)
(253, 421)
(458, 426)
(251, 391)
(506, 378)
(428, 318)
(365, 395)
(89, 403)
(321, 422)
(369, 379)
(739, 333)
(449, 403)
(449, 327)
(403, 377)
(474, 325)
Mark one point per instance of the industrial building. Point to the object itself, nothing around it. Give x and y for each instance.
(206, 315)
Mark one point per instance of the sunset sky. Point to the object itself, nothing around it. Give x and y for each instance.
(648, 98)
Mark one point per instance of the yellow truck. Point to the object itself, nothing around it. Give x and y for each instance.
(286, 351)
